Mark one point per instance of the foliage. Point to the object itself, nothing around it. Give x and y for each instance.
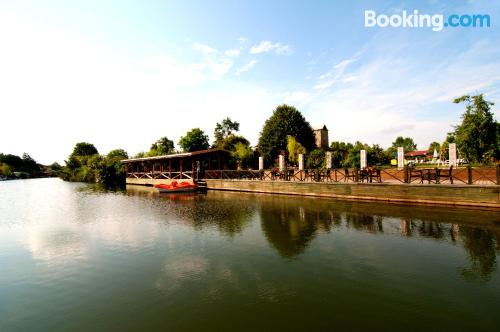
(194, 140)
(25, 164)
(340, 152)
(285, 120)
(107, 169)
(140, 154)
(5, 170)
(316, 159)
(119, 154)
(84, 149)
(294, 148)
(476, 136)
(348, 155)
(406, 142)
(434, 146)
(161, 147)
(244, 155)
(230, 142)
(223, 130)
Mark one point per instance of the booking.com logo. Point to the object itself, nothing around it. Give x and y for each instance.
(416, 20)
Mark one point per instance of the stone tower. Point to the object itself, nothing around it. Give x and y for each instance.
(321, 137)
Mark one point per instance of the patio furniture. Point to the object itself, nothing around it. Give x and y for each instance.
(325, 175)
(349, 175)
(431, 174)
(446, 174)
(414, 173)
(375, 174)
(364, 174)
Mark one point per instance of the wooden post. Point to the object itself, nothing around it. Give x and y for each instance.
(406, 175)
(469, 174)
(498, 174)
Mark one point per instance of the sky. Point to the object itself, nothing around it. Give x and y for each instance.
(121, 74)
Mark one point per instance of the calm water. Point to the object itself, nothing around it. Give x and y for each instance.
(73, 257)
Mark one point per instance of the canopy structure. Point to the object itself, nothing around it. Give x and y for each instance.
(185, 165)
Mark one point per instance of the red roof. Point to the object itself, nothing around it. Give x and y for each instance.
(417, 153)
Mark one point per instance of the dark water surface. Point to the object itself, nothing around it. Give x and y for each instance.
(76, 258)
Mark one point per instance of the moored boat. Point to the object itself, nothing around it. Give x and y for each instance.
(177, 187)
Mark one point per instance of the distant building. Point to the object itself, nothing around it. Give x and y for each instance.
(321, 137)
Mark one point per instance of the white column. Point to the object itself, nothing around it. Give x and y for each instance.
(362, 158)
(282, 163)
(401, 157)
(301, 162)
(452, 151)
(261, 163)
(328, 157)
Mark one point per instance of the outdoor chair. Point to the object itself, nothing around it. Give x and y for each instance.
(349, 175)
(446, 174)
(415, 174)
(364, 174)
(375, 174)
(325, 175)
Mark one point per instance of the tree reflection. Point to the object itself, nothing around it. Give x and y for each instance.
(365, 222)
(290, 229)
(480, 246)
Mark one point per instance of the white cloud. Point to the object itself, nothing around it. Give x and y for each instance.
(205, 49)
(249, 65)
(266, 46)
(233, 52)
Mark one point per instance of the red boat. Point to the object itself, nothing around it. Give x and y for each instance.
(176, 187)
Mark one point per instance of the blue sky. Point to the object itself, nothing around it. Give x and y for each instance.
(122, 74)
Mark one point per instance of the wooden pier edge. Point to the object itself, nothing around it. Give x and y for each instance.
(445, 195)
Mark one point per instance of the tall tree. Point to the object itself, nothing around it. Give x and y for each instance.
(477, 134)
(285, 120)
(84, 149)
(194, 140)
(161, 147)
(117, 154)
(223, 130)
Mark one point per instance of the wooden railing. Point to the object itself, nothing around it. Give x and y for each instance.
(462, 175)
(161, 175)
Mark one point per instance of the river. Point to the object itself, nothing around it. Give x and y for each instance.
(76, 257)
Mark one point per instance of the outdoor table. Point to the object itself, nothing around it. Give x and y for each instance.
(431, 174)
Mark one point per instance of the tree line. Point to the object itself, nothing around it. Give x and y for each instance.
(24, 167)
(287, 132)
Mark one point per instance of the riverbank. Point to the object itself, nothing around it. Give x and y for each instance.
(451, 195)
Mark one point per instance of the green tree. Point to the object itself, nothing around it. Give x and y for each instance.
(285, 120)
(244, 155)
(294, 148)
(84, 149)
(223, 130)
(340, 152)
(316, 159)
(230, 142)
(5, 170)
(434, 146)
(161, 147)
(476, 136)
(406, 142)
(194, 140)
(119, 154)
